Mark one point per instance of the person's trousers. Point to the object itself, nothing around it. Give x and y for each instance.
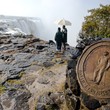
(59, 44)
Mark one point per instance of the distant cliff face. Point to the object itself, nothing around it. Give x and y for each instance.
(19, 25)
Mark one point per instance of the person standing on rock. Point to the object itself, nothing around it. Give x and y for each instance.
(64, 35)
(58, 39)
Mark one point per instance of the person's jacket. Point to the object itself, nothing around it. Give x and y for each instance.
(58, 37)
(64, 33)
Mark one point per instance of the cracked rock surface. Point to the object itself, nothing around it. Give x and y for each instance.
(30, 70)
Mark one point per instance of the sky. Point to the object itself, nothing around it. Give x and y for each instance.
(51, 10)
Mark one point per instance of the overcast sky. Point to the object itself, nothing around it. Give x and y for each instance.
(51, 10)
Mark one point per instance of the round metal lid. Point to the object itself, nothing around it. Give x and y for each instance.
(93, 69)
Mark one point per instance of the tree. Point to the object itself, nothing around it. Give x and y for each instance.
(97, 24)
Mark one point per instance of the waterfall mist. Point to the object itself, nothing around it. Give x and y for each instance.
(50, 10)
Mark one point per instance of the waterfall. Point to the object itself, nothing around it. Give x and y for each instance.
(19, 25)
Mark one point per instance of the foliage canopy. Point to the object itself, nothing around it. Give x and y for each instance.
(97, 24)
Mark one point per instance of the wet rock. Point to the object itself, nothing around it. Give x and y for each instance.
(40, 107)
(21, 101)
(40, 47)
(5, 41)
(19, 46)
(27, 54)
(77, 52)
(17, 41)
(90, 102)
(15, 99)
(6, 47)
(23, 64)
(45, 99)
(52, 107)
(43, 81)
(58, 98)
(4, 57)
(22, 57)
(14, 72)
(72, 101)
(49, 74)
(29, 50)
(1, 108)
(71, 74)
(80, 46)
(106, 107)
(47, 64)
(72, 82)
(10, 72)
(3, 78)
(12, 93)
(50, 101)
(71, 64)
(35, 40)
(6, 102)
(51, 42)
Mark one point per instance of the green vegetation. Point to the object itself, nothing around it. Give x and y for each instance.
(2, 89)
(21, 74)
(15, 82)
(97, 24)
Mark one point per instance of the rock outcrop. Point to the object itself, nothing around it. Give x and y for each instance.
(32, 74)
(76, 98)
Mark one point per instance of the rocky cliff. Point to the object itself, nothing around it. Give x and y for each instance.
(32, 74)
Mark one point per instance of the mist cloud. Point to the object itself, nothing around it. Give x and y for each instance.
(50, 10)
